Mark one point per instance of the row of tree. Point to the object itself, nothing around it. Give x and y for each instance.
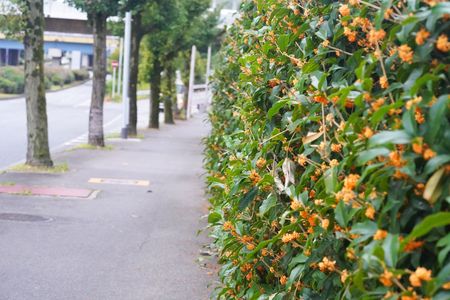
(169, 28)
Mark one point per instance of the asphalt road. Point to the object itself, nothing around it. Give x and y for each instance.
(68, 114)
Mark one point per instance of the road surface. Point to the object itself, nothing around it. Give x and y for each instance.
(68, 114)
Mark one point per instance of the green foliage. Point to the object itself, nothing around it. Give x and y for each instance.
(12, 79)
(329, 155)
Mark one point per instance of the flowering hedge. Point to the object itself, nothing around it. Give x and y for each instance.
(329, 157)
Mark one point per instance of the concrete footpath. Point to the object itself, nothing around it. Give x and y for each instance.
(134, 237)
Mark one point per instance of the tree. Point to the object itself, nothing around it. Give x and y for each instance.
(177, 26)
(98, 11)
(38, 152)
(139, 28)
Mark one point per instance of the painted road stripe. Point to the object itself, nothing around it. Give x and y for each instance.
(119, 181)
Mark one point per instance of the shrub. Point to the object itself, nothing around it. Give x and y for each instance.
(12, 80)
(80, 75)
(329, 157)
(57, 79)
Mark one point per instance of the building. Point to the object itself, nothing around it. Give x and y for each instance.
(68, 38)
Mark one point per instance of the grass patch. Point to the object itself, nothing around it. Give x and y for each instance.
(56, 169)
(91, 147)
(7, 96)
(117, 135)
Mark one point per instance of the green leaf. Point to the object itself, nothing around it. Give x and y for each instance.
(429, 223)
(370, 154)
(437, 12)
(343, 214)
(409, 123)
(310, 67)
(283, 41)
(214, 217)
(366, 229)
(434, 163)
(435, 117)
(415, 74)
(330, 180)
(267, 204)
(245, 201)
(391, 247)
(396, 137)
(425, 79)
(276, 108)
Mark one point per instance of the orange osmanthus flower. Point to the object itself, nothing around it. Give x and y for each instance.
(405, 53)
(421, 36)
(384, 83)
(386, 278)
(327, 265)
(442, 43)
(421, 274)
(374, 36)
(380, 235)
(344, 10)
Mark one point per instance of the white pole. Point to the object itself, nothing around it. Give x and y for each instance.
(235, 5)
(208, 74)
(119, 75)
(213, 4)
(191, 83)
(208, 66)
(113, 90)
(126, 74)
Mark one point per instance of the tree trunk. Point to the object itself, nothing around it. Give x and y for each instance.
(38, 152)
(96, 137)
(155, 85)
(168, 101)
(136, 37)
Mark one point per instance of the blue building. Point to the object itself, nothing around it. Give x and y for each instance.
(68, 39)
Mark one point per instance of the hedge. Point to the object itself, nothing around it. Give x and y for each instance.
(329, 156)
(12, 79)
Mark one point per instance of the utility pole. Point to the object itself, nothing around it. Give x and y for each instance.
(126, 75)
(191, 83)
(208, 65)
(113, 90)
(208, 74)
(119, 75)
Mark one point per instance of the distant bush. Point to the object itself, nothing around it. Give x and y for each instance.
(81, 74)
(12, 80)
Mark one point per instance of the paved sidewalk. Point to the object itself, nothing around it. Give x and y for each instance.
(130, 242)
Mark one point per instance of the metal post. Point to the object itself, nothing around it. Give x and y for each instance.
(126, 75)
(208, 66)
(113, 90)
(208, 73)
(235, 5)
(191, 83)
(119, 75)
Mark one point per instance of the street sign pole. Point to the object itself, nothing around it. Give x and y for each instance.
(126, 75)
(113, 90)
(208, 66)
(191, 83)
(119, 75)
